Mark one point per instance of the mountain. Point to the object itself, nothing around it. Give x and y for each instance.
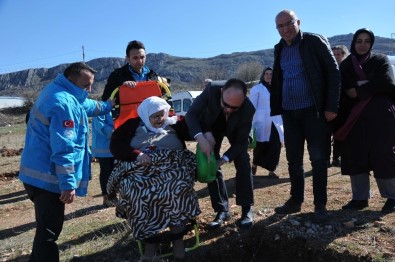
(185, 72)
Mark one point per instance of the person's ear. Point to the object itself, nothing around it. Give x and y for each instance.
(72, 79)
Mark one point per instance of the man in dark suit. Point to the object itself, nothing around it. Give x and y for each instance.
(224, 110)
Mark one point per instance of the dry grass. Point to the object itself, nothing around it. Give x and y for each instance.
(92, 233)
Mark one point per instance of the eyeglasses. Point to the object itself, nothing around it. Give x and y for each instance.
(226, 105)
(286, 25)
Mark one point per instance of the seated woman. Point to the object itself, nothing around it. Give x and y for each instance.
(155, 176)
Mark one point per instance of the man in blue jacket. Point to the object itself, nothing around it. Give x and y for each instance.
(305, 91)
(102, 129)
(55, 163)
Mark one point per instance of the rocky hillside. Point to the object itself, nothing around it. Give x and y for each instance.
(185, 72)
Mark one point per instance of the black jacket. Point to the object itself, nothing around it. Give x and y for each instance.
(380, 75)
(118, 77)
(381, 83)
(204, 111)
(322, 72)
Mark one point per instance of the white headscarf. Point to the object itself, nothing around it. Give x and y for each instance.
(150, 106)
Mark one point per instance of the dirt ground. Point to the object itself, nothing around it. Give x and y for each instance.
(365, 235)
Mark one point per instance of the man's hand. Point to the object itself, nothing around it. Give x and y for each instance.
(210, 138)
(67, 196)
(330, 115)
(130, 83)
(204, 145)
(352, 93)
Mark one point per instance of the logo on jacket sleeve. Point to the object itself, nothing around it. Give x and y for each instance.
(69, 134)
(68, 123)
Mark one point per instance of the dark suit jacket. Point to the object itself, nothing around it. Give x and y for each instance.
(205, 110)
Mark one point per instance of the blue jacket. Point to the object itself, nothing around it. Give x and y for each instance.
(56, 156)
(102, 129)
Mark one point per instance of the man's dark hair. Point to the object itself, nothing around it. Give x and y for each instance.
(75, 69)
(134, 45)
(236, 83)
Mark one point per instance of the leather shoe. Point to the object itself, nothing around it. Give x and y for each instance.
(219, 219)
(320, 214)
(356, 204)
(289, 207)
(247, 218)
(389, 206)
(273, 175)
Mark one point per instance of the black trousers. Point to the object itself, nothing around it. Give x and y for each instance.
(49, 212)
(244, 182)
(106, 167)
(302, 126)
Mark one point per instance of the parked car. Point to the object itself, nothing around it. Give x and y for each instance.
(183, 100)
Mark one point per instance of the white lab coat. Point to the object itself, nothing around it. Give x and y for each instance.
(262, 121)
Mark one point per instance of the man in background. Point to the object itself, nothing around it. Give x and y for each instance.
(134, 71)
(340, 52)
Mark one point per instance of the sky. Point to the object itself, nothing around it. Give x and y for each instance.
(46, 33)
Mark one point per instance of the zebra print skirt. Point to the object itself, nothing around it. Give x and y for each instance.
(155, 197)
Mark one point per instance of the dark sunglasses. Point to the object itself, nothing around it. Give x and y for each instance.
(227, 105)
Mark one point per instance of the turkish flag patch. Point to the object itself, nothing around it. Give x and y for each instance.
(68, 123)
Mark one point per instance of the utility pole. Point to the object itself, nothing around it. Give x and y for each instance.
(83, 54)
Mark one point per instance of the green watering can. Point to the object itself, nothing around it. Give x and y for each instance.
(206, 171)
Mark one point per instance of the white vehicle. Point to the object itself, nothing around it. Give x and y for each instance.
(183, 100)
(392, 60)
(11, 101)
